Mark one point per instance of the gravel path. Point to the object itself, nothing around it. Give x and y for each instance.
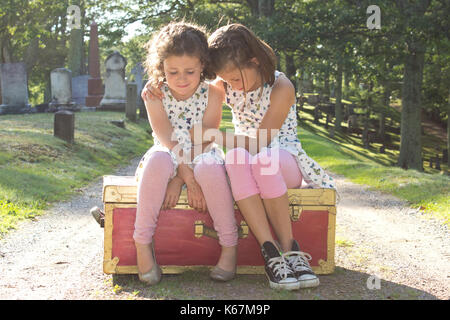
(59, 255)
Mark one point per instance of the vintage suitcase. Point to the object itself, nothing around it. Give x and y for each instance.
(185, 239)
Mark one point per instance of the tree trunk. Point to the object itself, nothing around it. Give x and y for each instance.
(290, 67)
(326, 83)
(254, 7)
(448, 130)
(410, 129)
(338, 105)
(386, 102)
(365, 135)
(266, 7)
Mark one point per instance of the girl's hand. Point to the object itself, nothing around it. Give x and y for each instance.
(195, 196)
(172, 193)
(152, 93)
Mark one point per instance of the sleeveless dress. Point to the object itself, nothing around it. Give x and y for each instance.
(182, 116)
(246, 120)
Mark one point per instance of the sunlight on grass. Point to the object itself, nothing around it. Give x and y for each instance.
(37, 169)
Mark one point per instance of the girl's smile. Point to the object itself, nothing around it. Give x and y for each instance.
(182, 75)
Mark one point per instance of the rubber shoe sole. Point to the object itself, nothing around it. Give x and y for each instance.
(291, 285)
(309, 283)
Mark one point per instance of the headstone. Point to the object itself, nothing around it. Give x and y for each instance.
(95, 85)
(130, 110)
(115, 96)
(14, 88)
(61, 87)
(138, 73)
(80, 89)
(142, 109)
(64, 125)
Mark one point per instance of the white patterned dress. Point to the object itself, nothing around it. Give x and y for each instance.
(246, 120)
(182, 115)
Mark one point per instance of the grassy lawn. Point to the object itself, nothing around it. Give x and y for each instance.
(37, 169)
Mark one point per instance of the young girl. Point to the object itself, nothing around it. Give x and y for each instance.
(262, 101)
(178, 56)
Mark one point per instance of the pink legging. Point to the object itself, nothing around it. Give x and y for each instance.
(211, 177)
(269, 173)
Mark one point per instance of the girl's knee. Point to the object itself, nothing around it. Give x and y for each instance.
(237, 156)
(159, 161)
(265, 163)
(208, 169)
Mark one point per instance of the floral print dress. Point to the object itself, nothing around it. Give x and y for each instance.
(248, 111)
(182, 115)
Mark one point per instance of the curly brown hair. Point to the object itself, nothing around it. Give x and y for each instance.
(236, 44)
(177, 38)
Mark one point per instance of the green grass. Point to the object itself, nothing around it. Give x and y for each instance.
(38, 169)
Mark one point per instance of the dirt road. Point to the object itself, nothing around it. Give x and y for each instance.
(384, 250)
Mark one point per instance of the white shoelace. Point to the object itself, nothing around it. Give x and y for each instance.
(280, 266)
(298, 260)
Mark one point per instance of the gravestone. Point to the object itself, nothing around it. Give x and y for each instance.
(95, 85)
(115, 97)
(14, 88)
(142, 110)
(130, 110)
(64, 126)
(61, 87)
(80, 89)
(138, 73)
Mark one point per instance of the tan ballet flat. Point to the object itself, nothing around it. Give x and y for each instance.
(219, 274)
(154, 275)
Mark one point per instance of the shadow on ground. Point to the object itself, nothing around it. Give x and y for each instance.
(343, 284)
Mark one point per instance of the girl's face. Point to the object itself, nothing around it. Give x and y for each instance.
(247, 78)
(182, 75)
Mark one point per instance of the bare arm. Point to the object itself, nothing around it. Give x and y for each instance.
(281, 100)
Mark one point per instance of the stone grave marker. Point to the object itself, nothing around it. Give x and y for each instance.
(64, 125)
(115, 96)
(14, 88)
(61, 88)
(130, 110)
